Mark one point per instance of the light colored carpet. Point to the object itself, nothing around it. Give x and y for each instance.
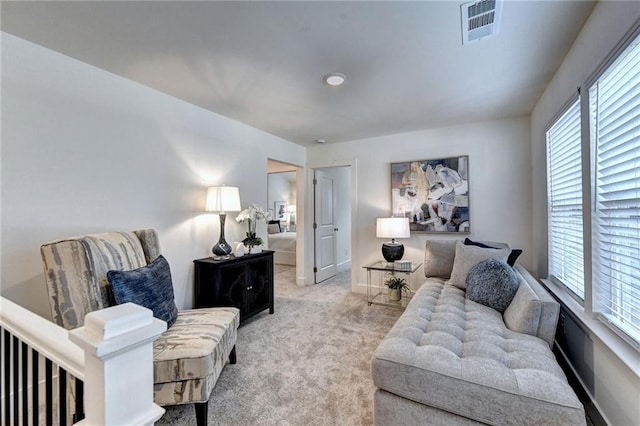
(307, 364)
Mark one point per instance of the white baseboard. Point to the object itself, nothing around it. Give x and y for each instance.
(344, 265)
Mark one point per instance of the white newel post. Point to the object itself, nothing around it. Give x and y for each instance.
(118, 347)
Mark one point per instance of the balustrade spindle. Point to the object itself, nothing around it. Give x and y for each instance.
(62, 396)
(25, 383)
(48, 385)
(16, 388)
(7, 377)
(35, 373)
(1, 370)
(79, 411)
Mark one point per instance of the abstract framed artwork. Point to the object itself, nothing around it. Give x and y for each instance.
(433, 194)
(280, 209)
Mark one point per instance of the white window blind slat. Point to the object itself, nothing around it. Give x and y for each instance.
(564, 183)
(615, 119)
(633, 302)
(619, 76)
(617, 106)
(614, 73)
(621, 142)
(621, 173)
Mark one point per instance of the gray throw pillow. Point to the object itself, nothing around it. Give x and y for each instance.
(273, 228)
(469, 256)
(149, 286)
(438, 258)
(492, 283)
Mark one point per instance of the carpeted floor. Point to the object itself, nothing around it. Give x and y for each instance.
(307, 364)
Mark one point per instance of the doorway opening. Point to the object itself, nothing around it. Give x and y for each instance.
(332, 222)
(283, 235)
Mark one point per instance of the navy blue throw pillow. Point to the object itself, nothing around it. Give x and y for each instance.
(149, 286)
(511, 260)
(492, 283)
(513, 256)
(468, 242)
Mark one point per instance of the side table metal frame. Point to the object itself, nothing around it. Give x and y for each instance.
(381, 296)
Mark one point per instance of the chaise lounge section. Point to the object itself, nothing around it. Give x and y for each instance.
(449, 360)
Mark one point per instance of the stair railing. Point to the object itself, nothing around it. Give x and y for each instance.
(98, 374)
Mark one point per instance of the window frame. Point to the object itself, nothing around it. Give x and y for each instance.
(601, 303)
(574, 101)
(601, 330)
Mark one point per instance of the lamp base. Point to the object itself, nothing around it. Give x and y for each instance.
(226, 257)
(392, 251)
(222, 249)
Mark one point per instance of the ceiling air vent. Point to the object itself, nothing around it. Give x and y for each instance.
(480, 19)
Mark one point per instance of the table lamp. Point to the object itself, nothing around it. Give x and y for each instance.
(392, 227)
(222, 199)
(291, 209)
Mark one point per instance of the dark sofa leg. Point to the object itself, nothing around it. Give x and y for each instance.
(232, 355)
(201, 412)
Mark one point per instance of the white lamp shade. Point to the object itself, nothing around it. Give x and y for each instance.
(392, 227)
(222, 199)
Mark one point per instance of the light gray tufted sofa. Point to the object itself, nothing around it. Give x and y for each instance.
(451, 361)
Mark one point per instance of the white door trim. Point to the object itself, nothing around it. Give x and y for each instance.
(324, 226)
(353, 163)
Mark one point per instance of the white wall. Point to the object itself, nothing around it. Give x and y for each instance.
(84, 150)
(500, 183)
(617, 388)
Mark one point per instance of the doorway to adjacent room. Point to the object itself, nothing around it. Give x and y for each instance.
(331, 221)
(282, 203)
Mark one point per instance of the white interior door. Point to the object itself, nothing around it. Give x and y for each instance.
(324, 227)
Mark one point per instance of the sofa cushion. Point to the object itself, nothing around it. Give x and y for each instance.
(149, 286)
(492, 283)
(533, 310)
(438, 258)
(468, 256)
(451, 353)
(189, 357)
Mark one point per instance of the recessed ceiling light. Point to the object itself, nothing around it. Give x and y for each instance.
(320, 141)
(335, 79)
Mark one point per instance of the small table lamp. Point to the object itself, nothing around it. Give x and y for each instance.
(292, 214)
(222, 199)
(392, 227)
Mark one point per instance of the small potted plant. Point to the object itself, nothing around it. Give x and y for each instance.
(252, 215)
(396, 286)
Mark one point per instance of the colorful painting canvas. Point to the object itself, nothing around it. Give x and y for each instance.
(433, 194)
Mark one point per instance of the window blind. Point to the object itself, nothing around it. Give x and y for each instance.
(614, 101)
(564, 192)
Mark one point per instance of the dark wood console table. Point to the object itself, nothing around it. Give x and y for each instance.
(244, 282)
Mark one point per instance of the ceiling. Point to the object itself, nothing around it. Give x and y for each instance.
(262, 63)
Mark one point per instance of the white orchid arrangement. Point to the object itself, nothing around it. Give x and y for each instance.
(252, 214)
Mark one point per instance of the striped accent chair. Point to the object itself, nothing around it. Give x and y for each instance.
(188, 358)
